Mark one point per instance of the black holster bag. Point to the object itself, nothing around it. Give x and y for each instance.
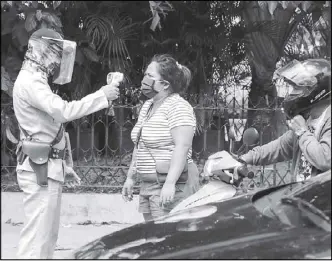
(38, 153)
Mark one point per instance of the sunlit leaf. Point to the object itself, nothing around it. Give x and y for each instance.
(56, 4)
(159, 8)
(262, 4)
(306, 5)
(284, 4)
(272, 5)
(155, 21)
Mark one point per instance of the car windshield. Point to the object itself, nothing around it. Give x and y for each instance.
(298, 204)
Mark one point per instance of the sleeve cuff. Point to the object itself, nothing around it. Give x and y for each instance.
(105, 101)
(248, 158)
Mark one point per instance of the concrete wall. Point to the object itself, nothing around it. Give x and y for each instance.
(78, 208)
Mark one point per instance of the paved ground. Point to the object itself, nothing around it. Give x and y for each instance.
(70, 237)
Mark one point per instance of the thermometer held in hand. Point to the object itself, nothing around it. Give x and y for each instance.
(113, 77)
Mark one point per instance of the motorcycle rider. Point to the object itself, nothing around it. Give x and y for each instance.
(308, 108)
(42, 169)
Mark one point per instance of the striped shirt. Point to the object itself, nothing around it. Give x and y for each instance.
(156, 132)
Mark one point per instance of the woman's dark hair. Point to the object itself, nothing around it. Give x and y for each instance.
(179, 76)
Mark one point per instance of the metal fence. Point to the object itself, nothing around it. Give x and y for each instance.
(102, 147)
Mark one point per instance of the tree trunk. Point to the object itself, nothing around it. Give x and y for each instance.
(262, 102)
(266, 34)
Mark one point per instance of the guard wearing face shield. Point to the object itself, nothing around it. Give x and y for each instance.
(308, 110)
(44, 154)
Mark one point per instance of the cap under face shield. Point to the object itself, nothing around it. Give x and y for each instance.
(64, 70)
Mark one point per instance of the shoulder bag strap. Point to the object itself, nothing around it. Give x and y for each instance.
(56, 140)
(26, 134)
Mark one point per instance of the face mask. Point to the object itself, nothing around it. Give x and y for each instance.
(147, 87)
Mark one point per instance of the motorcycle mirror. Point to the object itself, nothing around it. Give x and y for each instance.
(250, 136)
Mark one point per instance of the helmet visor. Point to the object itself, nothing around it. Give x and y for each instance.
(298, 74)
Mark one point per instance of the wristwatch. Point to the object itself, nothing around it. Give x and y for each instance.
(300, 132)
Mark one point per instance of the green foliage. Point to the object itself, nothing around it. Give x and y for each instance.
(210, 37)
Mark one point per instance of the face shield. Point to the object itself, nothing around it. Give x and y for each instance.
(49, 53)
(64, 71)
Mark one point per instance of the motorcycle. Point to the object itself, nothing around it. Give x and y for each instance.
(225, 172)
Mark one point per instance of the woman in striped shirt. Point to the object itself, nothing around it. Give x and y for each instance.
(164, 132)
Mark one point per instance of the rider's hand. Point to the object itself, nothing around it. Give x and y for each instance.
(297, 123)
(167, 194)
(127, 190)
(71, 178)
(216, 155)
(111, 91)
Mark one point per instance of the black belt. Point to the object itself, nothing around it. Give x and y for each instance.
(57, 154)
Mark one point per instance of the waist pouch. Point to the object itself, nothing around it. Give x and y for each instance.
(39, 153)
(162, 168)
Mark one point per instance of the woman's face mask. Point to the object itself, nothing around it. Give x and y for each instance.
(151, 83)
(147, 87)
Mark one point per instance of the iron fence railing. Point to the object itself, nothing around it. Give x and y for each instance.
(102, 147)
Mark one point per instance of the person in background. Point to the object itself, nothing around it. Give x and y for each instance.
(308, 108)
(43, 153)
(163, 133)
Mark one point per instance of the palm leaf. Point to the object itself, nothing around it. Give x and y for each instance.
(109, 35)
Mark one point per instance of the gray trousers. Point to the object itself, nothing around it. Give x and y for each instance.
(42, 217)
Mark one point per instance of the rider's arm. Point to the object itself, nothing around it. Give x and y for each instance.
(318, 153)
(40, 96)
(275, 151)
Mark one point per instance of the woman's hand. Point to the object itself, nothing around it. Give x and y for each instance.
(71, 178)
(167, 193)
(127, 190)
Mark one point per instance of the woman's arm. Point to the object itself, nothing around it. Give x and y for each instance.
(182, 124)
(183, 137)
(132, 167)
